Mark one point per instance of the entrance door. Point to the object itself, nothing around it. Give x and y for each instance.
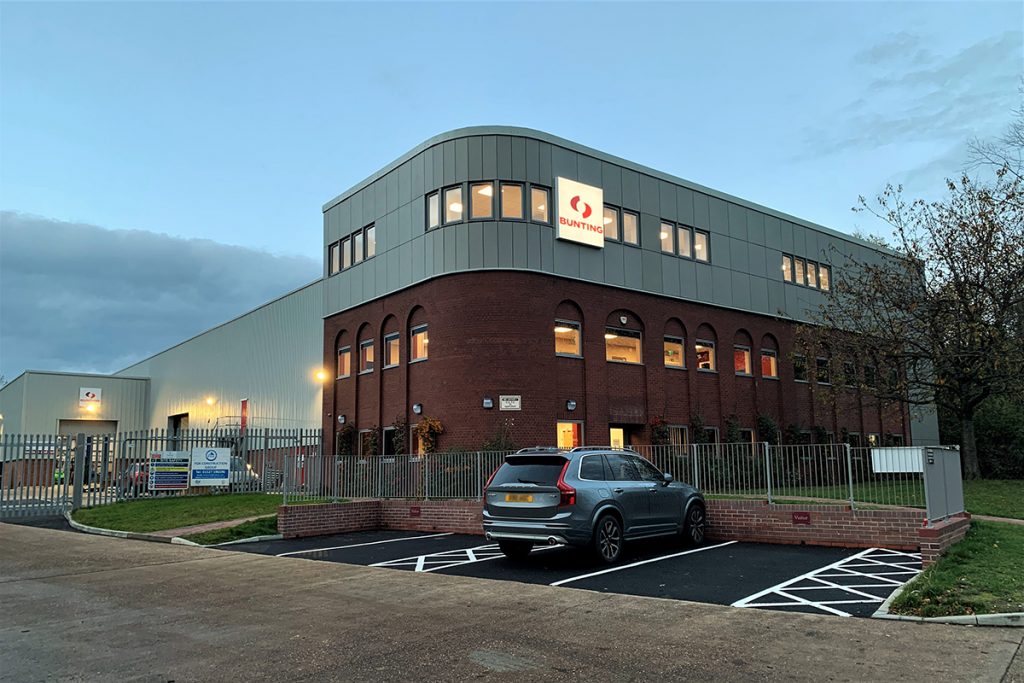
(617, 437)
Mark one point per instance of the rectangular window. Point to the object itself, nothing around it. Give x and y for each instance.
(419, 342)
(667, 238)
(344, 362)
(611, 223)
(357, 247)
(812, 274)
(711, 434)
(391, 355)
(799, 368)
(705, 356)
(674, 353)
(684, 237)
(824, 372)
(746, 436)
(787, 267)
(335, 258)
(741, 360)
(678, 436)
(433, 211)
(630, 228)
(366, 356)
(371, 241)
(567, 338)
(895, 440)
(849, 373)
(870, 376)
(824, 278)
(701, 246)
(769, 364)
(539, 209)
(622, 346)
(346, 253)
(512, 201)
(568, 435)
(482, 200)
(800, 267)
(453, 204)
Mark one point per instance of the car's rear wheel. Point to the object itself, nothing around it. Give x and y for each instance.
(608, 539)
(695, 526)
(515, 550)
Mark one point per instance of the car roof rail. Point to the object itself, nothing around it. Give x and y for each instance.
(540, 449)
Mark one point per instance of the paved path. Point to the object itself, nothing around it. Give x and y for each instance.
(209, 526)
(86, 607)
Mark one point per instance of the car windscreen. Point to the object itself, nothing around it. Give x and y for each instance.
(542, 471)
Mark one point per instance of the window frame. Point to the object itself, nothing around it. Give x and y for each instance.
(800, 271)
(579, 337)
(714, 355)
(636, 216)
(812, 267)
(337, 364)
(682, 351)
(547, 204)
(334, 258)
(801, 362)
(787, 268)
(444, 204)
(502, 184)
(559, 422)
(436, 217)
(707, 245)
(770, 353)
(366, 343)
(346, 253)
(472, 215)
(600, 460)
(368, 232)
(687, 231)
(413, 331)
(632, 334)
(392, 337)
(668, 229)
(750, 360)
(819, 361)
(827, 271)
(358, 247)
(618, 222)
(679, 429)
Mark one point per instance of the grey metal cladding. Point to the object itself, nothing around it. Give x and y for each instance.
(747, 240)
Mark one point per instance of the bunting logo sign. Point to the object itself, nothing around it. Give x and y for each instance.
(580, 212)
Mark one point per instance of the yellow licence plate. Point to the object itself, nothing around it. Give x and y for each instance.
(518, 498)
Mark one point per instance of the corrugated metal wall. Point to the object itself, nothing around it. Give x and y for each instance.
(39, 400)
(12, 397)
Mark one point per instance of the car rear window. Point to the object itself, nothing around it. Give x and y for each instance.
(592, 468)
(526, 470)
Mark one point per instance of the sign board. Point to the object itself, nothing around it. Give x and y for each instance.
(89, 396)
(415, 511)
(168, 470)
(510, 403)
(801, 518)
(580, 212)
(897, 460)
(210, 467)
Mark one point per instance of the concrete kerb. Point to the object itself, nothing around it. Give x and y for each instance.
(1001, 619)
(176, 540)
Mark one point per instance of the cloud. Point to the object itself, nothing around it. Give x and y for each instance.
(79, 297)
(895, 46)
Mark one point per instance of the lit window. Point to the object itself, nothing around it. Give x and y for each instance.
(812, 274)
(872, 440)
(335, 258)
(539, 209)
(667, 240)
(674, 353)
(433, 214)
(366, 356)
(769, 364)
(705, 355)
(511, 201)
(622, 346)
(346, 253)
(453, 204)
(741, 360)
(787, 267)
(824, 372)
(357, 246)
(683, 238)
(371, 242)
(568, 435)
(800, 268)
(630, 228)
(344, 361)
(391, 350)
(799, 368)
(567, 338)
(824, 278)
(701, 250)
(611, 223)
(418, 348)
(678, 436)
(482, 205)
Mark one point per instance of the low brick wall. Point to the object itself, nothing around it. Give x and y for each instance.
(456, 516)
(936, 539)
(295, 521)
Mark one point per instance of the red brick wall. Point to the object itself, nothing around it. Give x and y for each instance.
(295, 521)
(936, 539)
(491, 334)
(456, 516)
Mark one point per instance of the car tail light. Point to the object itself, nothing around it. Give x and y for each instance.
(567, 493)
(491, 478)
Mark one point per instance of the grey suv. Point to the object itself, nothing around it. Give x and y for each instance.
(593, 497)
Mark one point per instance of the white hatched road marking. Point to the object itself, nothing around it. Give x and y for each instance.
(637, 564)
(360, 545)
(432, 562)
(907, 566)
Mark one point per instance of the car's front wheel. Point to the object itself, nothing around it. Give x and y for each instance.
(515, 550)
(608, 539)
(695, 525)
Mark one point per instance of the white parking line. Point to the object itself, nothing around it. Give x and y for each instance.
(637, 564)
(360, 545)
(432, 562)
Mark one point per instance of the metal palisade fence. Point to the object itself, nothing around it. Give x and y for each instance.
(48, 474)
(822, 473)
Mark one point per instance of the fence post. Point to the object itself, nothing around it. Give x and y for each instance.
(76, 500)
(284, 478)
(768, 469)
(849, 473)
(479, 488)
(693, 464)
(426, 477)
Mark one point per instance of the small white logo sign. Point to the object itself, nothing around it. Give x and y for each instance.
(510, 403)
(89, 396)
(580, 212)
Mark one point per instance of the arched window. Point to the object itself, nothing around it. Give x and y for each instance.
(769, 357)
(742, 359)
(343, 349)
(704, 345)
(568, 330)
(623, 338)
(675, 344)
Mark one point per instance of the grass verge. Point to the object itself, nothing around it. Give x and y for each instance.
(156, 514)
(257, 527)
(996, 497)
(979, 575)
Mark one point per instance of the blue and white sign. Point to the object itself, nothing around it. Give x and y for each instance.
(210, 467)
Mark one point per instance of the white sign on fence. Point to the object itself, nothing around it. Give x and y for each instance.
(510, 403)
(210, 467)
(896, 460)
(168, 470)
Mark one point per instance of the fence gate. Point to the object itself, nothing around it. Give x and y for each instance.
(35, 474)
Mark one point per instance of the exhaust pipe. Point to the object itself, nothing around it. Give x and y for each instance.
(552, 540)
(487, 536)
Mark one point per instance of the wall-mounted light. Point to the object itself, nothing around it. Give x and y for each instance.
(570, 404)
(91, 408)
(488, 402)
(623, 319)
(320, 375)
(417, 408)
(341, 419)
(210, 400)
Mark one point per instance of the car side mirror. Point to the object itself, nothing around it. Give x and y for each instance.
(667, 477)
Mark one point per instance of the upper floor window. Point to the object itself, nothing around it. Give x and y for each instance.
(453, 204)
(667, 238)
(741, 360)
(482, 204)
(334, 259)
(622, 346)
(684, 237)
(391, 350)
(418, 346)
(812, 274)
(371, 241)
(512, 201)
(701, 246)
(705, 355)
(674, 353)
(540, 204)
(823, 371)
(801, 267)
(567, 338)
(611, 223)
(344, 362)
(769, 364)
(870, 375)
(799, 368)
(433, 210)
(346, 253)
(808, 273)
(787, 267)
(366, 356)
(824, 277)
(357, 247)
(630, 228)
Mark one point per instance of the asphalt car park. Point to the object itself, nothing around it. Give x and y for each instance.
(817, 580)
